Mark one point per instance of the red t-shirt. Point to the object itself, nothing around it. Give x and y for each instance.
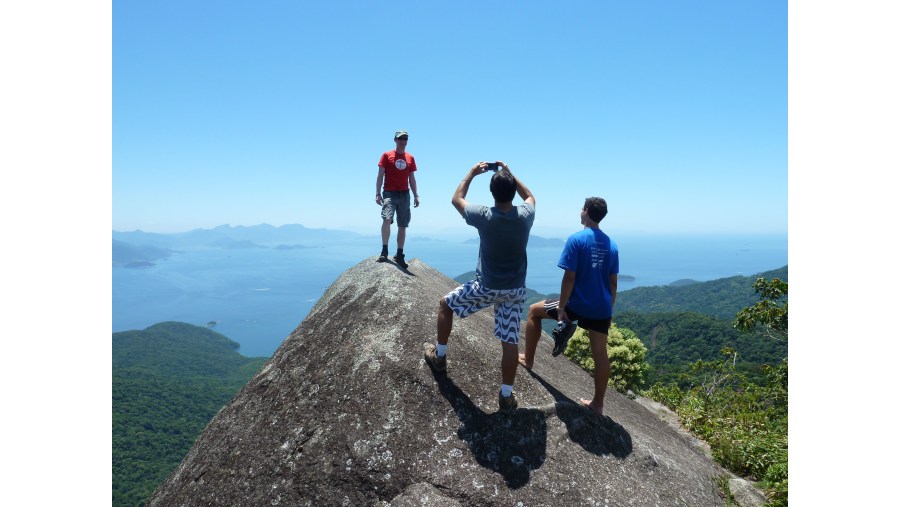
(397, 169)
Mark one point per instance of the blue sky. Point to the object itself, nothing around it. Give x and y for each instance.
(277, 112)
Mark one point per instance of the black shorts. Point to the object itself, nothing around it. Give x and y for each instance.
(601, 326)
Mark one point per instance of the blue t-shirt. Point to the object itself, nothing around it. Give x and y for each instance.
(593, 256)
(502, 261)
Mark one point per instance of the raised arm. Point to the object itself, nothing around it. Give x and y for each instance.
(459, 197)
(523, 190)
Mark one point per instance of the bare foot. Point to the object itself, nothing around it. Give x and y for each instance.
(590, 404)
(524, 363)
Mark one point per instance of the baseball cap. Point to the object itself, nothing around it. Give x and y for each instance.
(400, 133)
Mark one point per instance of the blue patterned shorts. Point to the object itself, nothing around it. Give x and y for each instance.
(472, 297)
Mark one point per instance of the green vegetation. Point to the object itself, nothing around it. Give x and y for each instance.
(628, 368)
(676, 340)
(745, 423)
(770, 313)
(168, 381)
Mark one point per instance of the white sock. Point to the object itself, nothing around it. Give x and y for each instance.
(505, 390)
(441, 349)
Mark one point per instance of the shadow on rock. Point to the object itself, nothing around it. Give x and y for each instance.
(399, 267)
(596, 434)
(511, 444)
(405, 270)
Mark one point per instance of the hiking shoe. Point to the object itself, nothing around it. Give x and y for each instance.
(431, 357)
(399, 259)
(382, 258)
(561, 335)
(507, 403)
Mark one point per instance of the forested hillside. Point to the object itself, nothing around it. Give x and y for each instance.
(721, 298)
(168, 381)
(687, 337)
(677, 339)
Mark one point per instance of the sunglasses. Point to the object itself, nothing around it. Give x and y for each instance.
(403, 139)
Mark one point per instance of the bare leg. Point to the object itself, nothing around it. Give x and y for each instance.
(509, 363)
(385, 231)
(601, 371)
(536, 313)
(401, 236)
(444, 322)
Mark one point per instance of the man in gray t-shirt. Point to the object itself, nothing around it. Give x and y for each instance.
(500, 274)
(502, 261)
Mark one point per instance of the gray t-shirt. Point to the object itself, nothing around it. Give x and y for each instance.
(502, 261)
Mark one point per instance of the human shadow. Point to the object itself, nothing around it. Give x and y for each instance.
(596, 434)
(405, 270)
(511, 444)
(394, 263)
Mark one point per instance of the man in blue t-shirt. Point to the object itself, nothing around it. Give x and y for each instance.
(587, 295)
(500, 273)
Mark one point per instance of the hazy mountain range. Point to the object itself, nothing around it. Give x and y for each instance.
(138, 248)
(263, 235)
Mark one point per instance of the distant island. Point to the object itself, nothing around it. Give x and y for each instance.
(234, 244)
(140, 264)
(626, 278)
(257, 236)
(138, 256)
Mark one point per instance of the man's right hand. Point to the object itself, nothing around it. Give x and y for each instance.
(479, 168)
(378, 199)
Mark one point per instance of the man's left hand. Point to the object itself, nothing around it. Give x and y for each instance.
(415, 201)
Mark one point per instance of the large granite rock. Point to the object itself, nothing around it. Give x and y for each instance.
(348, 413)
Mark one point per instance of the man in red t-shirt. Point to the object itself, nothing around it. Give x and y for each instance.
(396, 170)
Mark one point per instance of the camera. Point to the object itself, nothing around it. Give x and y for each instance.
(492, 166)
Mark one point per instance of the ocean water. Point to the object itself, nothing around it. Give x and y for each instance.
(257, 297)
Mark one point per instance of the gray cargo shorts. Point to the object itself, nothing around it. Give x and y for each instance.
(396, 202)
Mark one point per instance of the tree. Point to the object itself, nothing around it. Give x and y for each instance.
(771, 313)
(627, 357)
